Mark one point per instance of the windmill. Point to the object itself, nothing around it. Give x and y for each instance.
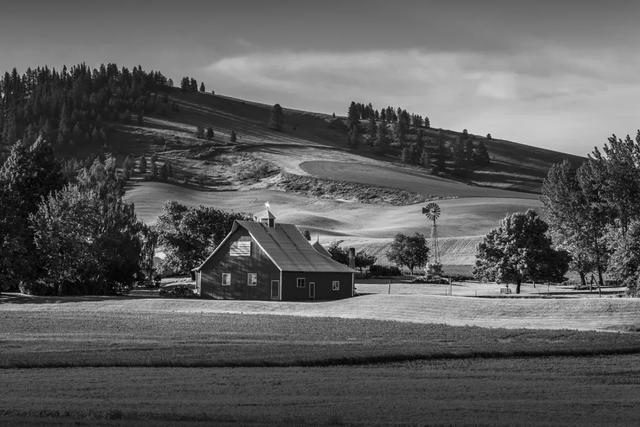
(432, 212)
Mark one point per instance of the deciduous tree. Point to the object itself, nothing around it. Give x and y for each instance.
(409, 251)
(189, 234)
(519, 249)
(87, 236)
(276, 121)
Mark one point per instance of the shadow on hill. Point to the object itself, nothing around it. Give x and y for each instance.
(17, 298)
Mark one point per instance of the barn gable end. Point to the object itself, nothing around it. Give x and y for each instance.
(210, 273)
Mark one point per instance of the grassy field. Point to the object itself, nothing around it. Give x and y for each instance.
(611, 314)
(64, 338)
(128, 362)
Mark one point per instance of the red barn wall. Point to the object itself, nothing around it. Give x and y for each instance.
(322, 282)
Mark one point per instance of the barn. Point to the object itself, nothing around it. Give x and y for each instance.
(266, 260)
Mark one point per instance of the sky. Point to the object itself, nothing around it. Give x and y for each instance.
(555, 74)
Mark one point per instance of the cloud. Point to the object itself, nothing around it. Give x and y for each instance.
(536, 86)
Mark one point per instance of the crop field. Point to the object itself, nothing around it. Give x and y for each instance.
(523, 391)
(313, 144)
(364, 226)
(133, 362)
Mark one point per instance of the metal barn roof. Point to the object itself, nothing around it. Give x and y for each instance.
(318, 247)
(289, 249)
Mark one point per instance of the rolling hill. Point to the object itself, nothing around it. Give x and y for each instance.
(326, 196)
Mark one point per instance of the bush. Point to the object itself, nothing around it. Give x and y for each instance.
(431, 280)
(383, 270)
(120, 289)
(257, 171)
(180, 291)
(38, 287)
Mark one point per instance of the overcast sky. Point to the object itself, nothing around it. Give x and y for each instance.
(555, 74)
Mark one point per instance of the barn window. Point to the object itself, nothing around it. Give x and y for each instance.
(252, 279)
(226, 279)
(300, 282)
(335, 285)
(240, 248)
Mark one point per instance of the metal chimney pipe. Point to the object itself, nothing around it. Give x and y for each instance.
(352, 257)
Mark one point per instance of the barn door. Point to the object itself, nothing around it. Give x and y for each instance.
(275, 289)
(312, 290)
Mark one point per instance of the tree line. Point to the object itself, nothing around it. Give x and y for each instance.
(594, 211)
(399, 133)
(65, 230)
(74, 106)
(592, 224)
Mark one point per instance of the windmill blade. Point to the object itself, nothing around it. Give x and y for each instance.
(431, 211)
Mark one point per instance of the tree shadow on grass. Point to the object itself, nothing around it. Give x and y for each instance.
(17, 298)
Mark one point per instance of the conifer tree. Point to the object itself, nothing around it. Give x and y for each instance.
(353, 114)
(354, 135)
(457, 151)
(163, 172)
(143, 165)
(381, 143)
(405, 155)
(442, 153)
(153, 169)
(481, 154)
(28, 174)
(276, 121)
(202, 89)
(401, 129)
(185, 84)
(153, 165)
(425, 161)
(371, 131)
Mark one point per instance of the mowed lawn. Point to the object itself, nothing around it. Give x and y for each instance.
(606, 314)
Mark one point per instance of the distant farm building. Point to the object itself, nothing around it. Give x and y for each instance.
(265, 260)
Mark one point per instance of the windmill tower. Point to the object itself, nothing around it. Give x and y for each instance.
(432, 212)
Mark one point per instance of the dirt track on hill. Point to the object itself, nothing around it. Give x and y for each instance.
(405, 179)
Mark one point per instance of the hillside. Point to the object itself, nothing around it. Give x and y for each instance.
(313, 179)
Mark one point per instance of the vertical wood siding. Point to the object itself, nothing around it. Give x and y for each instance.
(323, 281)
(239, 267)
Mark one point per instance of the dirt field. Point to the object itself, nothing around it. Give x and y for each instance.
(515, 391)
